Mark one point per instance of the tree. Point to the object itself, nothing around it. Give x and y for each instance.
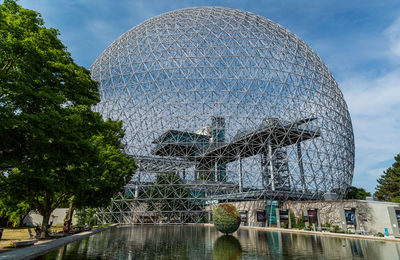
(388, 188)
(356, 193)
(169, 196)
(110, 170)
(54, 147)
(86, 216)
(12, 213)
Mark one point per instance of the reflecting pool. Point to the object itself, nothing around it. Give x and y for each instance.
(204, 242)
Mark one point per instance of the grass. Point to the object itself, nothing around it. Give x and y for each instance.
(13, 234)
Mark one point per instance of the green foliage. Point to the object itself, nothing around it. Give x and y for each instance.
(284, 225)
(86, 216)
(300, 224)
(227, 247)
(356, 193)
(54, 146)
(226, 218)
(109, 170)
(169, 186)
(39, 82)
(293, 219)
(327, 225)
(388, 188)
(379, 234)
(336, 229)
(12, 212)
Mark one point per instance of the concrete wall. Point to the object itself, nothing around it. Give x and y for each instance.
(34, 218)
(251, 207)
(379, 217)
(328, 211)
(370, 216)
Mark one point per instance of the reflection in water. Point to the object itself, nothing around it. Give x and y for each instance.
(199, 242)
(227, 247)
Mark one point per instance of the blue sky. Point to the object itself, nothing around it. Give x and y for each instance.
(359, 40)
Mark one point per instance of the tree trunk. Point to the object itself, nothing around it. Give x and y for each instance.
(45, 222)
(22, 218)
(68, 217)
(3, 218)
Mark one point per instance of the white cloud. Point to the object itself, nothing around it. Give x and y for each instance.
(393, 34)
(374, 104)
(376, 173)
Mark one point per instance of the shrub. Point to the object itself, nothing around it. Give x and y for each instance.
(300, 223)
(86, 216)
(293, 220)
(226, 218)
(327, 224)
(336, 229)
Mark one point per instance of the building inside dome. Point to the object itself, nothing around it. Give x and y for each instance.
(221, 105)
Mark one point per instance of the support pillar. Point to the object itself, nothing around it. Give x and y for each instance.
(136, 195)
(216, 171)
(271, 166)
(301, 167)
(240, 174)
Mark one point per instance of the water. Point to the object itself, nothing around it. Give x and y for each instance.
(200, 242)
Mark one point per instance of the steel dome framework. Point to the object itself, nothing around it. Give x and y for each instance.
(221, 105)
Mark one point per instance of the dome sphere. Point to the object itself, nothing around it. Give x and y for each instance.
(235, 98)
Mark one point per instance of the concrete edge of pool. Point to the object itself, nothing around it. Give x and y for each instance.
(40, 249)
(318, 233)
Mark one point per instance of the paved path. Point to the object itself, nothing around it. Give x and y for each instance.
(42, 248)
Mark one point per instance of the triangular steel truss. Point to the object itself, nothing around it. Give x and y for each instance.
(221, 105)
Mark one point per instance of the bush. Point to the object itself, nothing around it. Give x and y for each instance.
(300, 223)
(293, 220)
(337, 229)
(86, 216)
(379, 234)
(226, 218)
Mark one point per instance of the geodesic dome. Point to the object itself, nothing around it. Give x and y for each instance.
(222, 105)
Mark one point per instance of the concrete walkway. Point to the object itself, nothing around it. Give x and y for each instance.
(318, 233)
(329, 234)
(40, 249)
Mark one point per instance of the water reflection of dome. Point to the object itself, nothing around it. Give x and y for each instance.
(227, 247)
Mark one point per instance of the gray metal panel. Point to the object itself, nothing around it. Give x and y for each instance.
(393, 221)
(342, 218)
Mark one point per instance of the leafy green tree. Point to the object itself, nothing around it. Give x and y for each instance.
(12, 213)
(169, 196)
(356, 193)
(86, 216)
(113, 169)
(54, 147)
(388, 188)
